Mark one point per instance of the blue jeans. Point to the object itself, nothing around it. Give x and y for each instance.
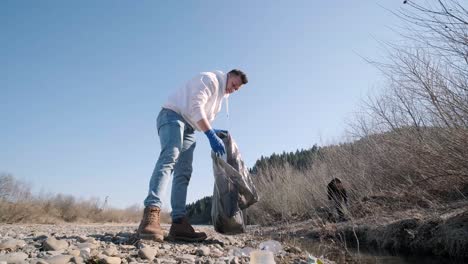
(177, 139)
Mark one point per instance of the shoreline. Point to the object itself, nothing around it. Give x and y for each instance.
(117, 243)
(439, 233)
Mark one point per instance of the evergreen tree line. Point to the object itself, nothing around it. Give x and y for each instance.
(199, 212)
(300, 160)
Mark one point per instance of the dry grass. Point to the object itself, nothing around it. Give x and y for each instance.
(382, 173)
(19, 205)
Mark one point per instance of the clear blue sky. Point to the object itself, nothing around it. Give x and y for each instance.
(81, 83)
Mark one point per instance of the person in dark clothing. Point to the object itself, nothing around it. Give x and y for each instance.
(337, 193)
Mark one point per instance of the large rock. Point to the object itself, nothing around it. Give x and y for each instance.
(87, 245)
(78, 260)
(53, 244)
(60, 259)
(147, 253)
(13, 258)
(203, 251)
(166, 246)
(85, 253)
(127, 247)
(111, 251)
(74, 252)
(216, 252)
(110, 260)
(37, 261)
(12, 244)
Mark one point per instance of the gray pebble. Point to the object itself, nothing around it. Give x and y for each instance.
(53, 252)
(53, 244)
(147, 253)
(235, 260)
(218, 246)
(78, 260)
(166, 246)
(74, 252)
(111, 260)
(85, 253)
(203, 251)
(111, 251)
(166, 261)
(38, 261)
(127, 247)
(87, 245)
(15, 257)
(12, 244)
(186, 258)
(60, 259)
(216, 252)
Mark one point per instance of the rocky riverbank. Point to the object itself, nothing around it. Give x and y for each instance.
(116, 244)
(440, 232)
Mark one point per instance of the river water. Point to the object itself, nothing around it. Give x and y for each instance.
(367, 257)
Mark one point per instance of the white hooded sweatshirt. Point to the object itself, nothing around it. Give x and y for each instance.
(201, 97)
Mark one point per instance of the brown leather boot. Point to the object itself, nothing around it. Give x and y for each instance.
(182, 230)
(150, 227)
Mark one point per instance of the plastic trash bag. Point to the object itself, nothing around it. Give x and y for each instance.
(271, 245)
(234, 190)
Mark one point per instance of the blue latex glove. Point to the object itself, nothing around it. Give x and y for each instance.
(216, 143)
(220, 131)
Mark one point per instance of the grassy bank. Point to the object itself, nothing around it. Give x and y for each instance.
(441, 232)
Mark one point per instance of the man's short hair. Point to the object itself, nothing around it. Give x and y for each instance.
(336, 180)
(241, 74)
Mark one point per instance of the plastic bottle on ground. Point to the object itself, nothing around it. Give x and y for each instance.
(271, 245)
(262, 257)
